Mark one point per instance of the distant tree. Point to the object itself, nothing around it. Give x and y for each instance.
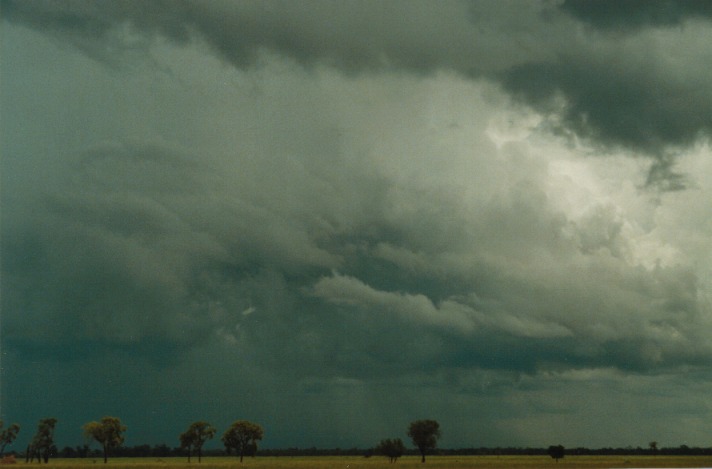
(142, 451)
(392, 449)
(83, 450)
(7, 435)
(68, 452)
(108, 432)
(195, 437)
(161, 451)
(653, 447)
(556, 452)
(42, 444)
(425, 434)
(242, 436)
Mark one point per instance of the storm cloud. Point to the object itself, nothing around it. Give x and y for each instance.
(626, 14)
(618, 74)
(347, 215)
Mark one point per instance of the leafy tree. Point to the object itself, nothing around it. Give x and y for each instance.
(108, 432)
(425, 434)
(392, 449)
(242, 436)
(653, 447)
(195, 437)
(42, 444)
(556, 452)
(8, 435)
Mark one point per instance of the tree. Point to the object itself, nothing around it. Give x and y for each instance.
(242, 436)
(7, 436)
(42, 444)
(653, 447)
(556, 452)
(195, 437)
(82, 451)
(425, 434)
(392, 449)
(108, 432)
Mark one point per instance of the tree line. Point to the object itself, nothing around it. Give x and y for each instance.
(242, 438)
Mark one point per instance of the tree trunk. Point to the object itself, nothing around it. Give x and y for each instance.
(106, 454)
(423, 456)
(242, 453)
(200, 455)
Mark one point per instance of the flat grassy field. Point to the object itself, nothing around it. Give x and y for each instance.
(376, 462)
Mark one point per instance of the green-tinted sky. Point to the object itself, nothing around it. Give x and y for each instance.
(333, 218)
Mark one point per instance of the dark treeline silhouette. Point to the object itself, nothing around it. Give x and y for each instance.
(581, 451)
(242, 437)
(138, 451)
(164, 451)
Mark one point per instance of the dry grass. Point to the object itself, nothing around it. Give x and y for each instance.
(377, 462)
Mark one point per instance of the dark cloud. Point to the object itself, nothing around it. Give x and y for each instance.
(352, 36)
(627, 14)
(627, 109)
(136, 222)
(625, 97)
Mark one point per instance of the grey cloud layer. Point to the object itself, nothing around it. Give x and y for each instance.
(145, 242)
(617, 90)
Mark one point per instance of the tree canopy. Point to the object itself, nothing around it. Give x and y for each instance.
(425, 434)
(556, 452)
(43, 441)
(242, 436)
(108, 432)
(7, 435)
(392, 449)
(195, 437)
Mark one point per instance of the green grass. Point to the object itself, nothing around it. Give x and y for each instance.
(376, 462)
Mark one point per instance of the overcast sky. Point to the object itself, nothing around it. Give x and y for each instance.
(335, 217)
